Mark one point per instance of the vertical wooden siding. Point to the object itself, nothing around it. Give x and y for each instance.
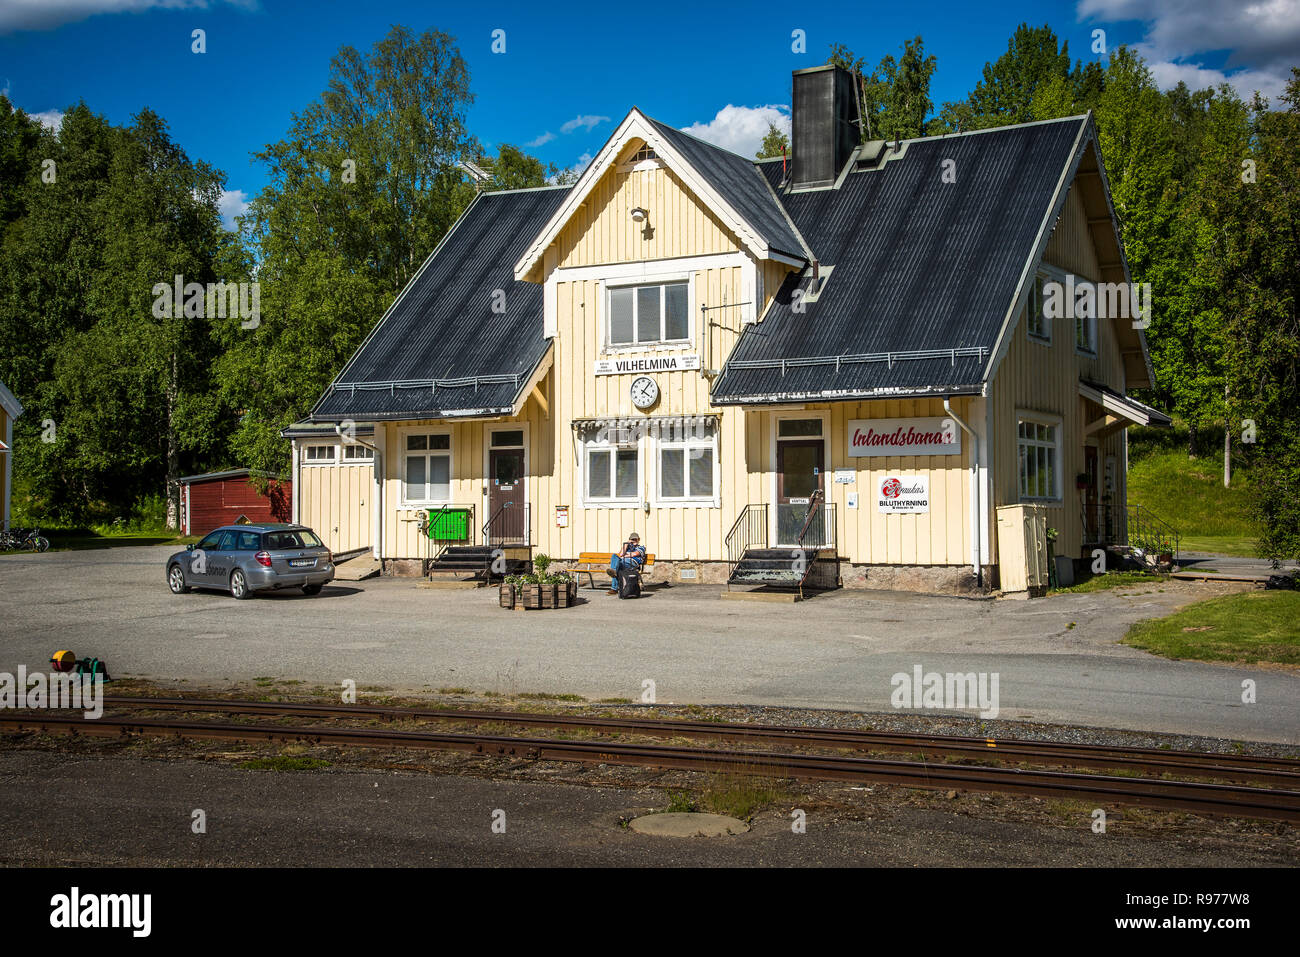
(1045, 378)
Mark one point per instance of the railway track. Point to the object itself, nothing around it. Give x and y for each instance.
(1281, 801)
(1284, 772)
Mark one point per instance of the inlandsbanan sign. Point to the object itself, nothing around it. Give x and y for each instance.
(936, 436)
(640, 364)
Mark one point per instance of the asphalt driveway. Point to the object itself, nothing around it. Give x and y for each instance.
(1057, 659)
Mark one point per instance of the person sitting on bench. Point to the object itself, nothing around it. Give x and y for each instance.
(632, 555)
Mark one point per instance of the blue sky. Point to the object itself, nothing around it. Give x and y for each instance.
(570, 72)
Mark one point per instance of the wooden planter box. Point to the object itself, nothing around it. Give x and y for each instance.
(539, 596)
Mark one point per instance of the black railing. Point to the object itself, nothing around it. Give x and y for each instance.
(1152, 534)
(1102, 524)
(508, 525)
(749, 531)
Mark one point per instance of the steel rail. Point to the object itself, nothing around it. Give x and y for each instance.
(1231, 767)
(1194, 797)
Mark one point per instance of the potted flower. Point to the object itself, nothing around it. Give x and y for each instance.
(539, 588)
(509, 592)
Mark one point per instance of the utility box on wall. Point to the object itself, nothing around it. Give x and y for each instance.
(1022, 550)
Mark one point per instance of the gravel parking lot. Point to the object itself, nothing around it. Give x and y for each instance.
(1057, 659)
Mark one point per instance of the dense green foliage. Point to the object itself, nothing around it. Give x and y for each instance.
(370, 176)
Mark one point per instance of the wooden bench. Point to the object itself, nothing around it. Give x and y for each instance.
(591, 562)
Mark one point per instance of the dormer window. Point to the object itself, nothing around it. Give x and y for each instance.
(643, 158)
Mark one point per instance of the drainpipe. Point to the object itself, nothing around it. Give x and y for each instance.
(976, 533)
(378, 494)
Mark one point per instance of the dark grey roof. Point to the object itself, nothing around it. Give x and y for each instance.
(925, 270)
(229, 473)
(441, 351)
(305, 430)
(741, 185)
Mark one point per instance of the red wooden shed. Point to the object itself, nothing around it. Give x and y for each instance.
(214, 499)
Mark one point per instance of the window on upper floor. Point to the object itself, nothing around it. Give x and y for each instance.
(1039, 323)
(645, 314)
(1085, 330)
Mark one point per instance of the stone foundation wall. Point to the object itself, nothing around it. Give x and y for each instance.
(928, 579)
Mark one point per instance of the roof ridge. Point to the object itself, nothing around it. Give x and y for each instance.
(994, 129)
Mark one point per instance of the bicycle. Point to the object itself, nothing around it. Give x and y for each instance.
(23, 538)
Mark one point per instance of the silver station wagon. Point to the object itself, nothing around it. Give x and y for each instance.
(246, 559)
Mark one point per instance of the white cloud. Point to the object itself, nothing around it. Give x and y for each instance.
(50, 119)
(585, 121)
(741, 128)
(232, 203)
(47, 14)
(541, 140)
(1261, 38)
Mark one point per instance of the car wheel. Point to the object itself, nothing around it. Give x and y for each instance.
(311, 589)
(176, 581)
(239, 585)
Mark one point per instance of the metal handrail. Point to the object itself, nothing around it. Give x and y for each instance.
(1143, 527)
(527, 529)
(814, 502)
(748, 531)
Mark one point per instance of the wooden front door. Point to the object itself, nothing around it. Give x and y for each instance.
(800, 471)
(506, 497)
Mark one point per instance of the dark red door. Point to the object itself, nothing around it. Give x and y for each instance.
(506, 497)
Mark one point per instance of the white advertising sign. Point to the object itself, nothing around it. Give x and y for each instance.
(928, 436)
(901, 494)
(632, 365)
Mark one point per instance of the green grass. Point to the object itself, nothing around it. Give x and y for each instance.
(1189, 495)
(544, 696)
(79, 539)
(1091, 583)
(1253, 627)
(739, 796)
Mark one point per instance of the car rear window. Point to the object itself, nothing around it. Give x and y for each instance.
(299, 539)
(248, 542)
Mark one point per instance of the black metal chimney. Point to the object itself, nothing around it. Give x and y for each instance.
(824, 125)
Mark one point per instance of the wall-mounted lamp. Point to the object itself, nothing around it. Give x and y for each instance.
(640, 215)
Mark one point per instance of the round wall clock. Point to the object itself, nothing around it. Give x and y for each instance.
(645, 392)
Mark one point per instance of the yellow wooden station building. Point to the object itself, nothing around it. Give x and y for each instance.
(834, 369)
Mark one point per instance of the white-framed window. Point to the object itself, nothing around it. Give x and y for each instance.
(426, 467)
(1038, 450)
(357, 454)
(687, 460)
(1039, 323)
(611, 472)
(649, 313)
(1085, 330)
(319, 454)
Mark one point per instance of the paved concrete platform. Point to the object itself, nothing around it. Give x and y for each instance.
(1058, 659)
